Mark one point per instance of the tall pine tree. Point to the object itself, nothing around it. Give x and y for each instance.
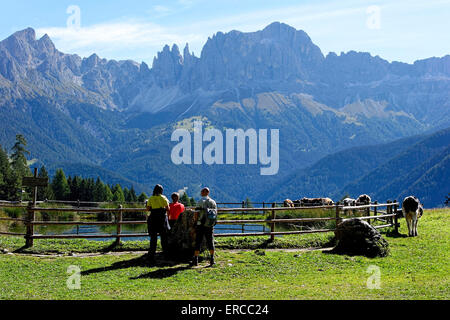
(142, 197)
(5, 175)
(47, 192)
(18, 158)
(133, 196)
(126, 194)
(99, 191)
(184, 199)
(118, 195)
(60, 187)
(108, 193)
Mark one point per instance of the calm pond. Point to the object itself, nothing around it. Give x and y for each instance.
(17, 227)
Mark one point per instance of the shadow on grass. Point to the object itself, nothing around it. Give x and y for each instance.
(394, 234)
(21, 249)
(161, 273)
(143, 261)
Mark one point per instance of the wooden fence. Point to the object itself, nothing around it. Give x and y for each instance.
(371, 211)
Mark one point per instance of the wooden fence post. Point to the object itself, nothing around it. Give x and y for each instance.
(272, 225)
(30, 216)
(389, 211)
(338, 219)
(375, 210)
(243, 204)
(30, 228)
(368, 214)
(119, 225)
(396, 216)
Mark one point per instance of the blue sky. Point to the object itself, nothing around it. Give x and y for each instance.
(402, 30)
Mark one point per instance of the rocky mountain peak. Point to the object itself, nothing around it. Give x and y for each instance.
(46, 45)
(26, 35)
(167, 66)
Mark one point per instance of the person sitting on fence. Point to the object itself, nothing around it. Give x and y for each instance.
(157, 221)
(206, 220)
(176, 208)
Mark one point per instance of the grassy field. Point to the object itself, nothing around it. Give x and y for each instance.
(417, 268)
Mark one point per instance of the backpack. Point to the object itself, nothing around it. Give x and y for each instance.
(211, 218)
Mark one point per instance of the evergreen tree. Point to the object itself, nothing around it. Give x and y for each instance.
(5, 173)
(184, 199)
(142, 197)
(47, 192)
(10, 186)
(90, 187)
(133, 196)
(70, 182)
(75, 189)
(193, 203)
(118, 195)
(126, 194)
(60, 187)
(248, 203)
(113, 188)
(83, 188)
(108, 194)
(18, 158)
(99, 191)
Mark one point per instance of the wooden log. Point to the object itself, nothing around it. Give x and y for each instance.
(89, 236)
(13, 219)
(396, 224)
(119, 225)
(75, 223)
(275, 220)
(272, 226)
(101, 223)
(91, 210)
(338, 219)
(12, 234)
(383, 226)
(239, 210)
(389, 208)
(223, 235)
(375, 212)
(373, 217)
(29, 226)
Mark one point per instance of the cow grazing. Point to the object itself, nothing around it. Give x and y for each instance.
(363, 199)
(349, 202)
(316, 202)
(297, 203)
(412, 210)
(311, 202)
(288, 203)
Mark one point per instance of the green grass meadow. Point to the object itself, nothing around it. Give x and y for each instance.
(247, 268)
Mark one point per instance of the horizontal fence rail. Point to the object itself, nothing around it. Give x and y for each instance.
(388, 217)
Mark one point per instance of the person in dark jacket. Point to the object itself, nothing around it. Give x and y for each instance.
(157, 220)
(203, 231)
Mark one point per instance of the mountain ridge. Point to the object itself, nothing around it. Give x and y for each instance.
(115, 113)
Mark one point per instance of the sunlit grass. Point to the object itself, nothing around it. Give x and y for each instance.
(417, 268)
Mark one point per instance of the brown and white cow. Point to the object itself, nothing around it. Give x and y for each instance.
(288, 203)
(349, 202)
(316, 201)
(363, 199)
(412, 210)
